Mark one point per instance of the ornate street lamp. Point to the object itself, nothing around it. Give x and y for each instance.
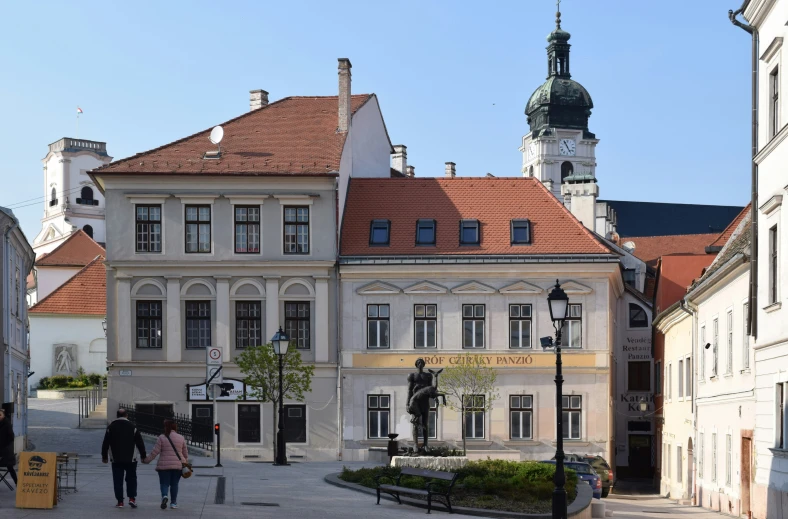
(558, 302)
(281, 341)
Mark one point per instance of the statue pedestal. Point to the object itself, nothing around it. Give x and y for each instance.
(449, 463)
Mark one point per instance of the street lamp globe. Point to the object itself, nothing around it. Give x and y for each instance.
(281, 341)
(558, 302)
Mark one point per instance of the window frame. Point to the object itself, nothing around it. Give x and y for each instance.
(298, 225)
(745, 337)
(378, 320)
(248, 319)
(688, 390)
(198, 319)
(774, 101)
(426, 319)
(520, 319)
(433, 418)
(298, 319)
(567, 411)
(680, 372)
(249, 225)
(474, 319)
(640, 388)
(566, 333)
(91, 200)
(378, 409)
(520, 410)
(702, 352)
(472, 411)
(679, 464)
(198, 223)
(380, 224)
(426, 222)
(714, 457)
(151, 319)
(470, 224)
(728, 459)
(148, 233)
(780, 437)
(632, 322)
(715, 347)
(520, 222)
(773, 265)
(729, 350)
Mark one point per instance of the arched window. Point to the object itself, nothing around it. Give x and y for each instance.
(88, 230)
(86, 197)
(53, 197)
(566, 169)
(637, 316)
(531, 171)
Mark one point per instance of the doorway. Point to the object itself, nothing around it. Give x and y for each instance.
(295, 423)
(640, 456)
(202, 423)
(249, 423)
(746, 473)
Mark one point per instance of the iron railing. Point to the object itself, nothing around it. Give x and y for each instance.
(89, 402)
(197, 432)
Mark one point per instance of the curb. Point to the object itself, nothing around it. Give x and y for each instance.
(574, 508)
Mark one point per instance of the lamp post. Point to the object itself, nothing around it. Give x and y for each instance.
(281, 341)
(558, 302)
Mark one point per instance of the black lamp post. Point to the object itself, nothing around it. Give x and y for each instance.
(281, 341)
(558, 302)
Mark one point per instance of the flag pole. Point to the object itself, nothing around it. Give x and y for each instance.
(77, 135)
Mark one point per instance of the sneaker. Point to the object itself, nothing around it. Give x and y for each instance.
(119, 505)
(164, 503)
(133, 503)
(174, 506)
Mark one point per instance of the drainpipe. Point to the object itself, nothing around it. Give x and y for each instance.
(753, 295)
(692, 310)
(6, 307)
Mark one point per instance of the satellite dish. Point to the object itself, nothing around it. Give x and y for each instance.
(216, 135)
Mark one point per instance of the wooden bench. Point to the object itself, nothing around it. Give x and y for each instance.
(395, 489)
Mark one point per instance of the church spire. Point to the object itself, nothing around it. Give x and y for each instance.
(558, 50)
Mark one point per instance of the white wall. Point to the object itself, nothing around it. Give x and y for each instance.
(50, 278)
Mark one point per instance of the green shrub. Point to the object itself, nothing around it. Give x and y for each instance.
(79, 382)
(43, 383)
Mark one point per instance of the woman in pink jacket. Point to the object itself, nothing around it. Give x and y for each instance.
(169, 466)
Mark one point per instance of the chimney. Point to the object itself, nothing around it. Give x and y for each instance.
(399, 159)
(451, 170)
(257, 99)
(410, 172)
(344, 94)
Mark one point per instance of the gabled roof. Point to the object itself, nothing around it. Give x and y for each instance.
(674, 276)
(650, 248)
(83, 294)
(494, 202)
(738, 243)
(77, 250)
(725, 235)
(661, 219)
(292, 136)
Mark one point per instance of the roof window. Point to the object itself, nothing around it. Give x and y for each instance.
(521, 232)
(469, 232)
(425, 232)
(379, 232)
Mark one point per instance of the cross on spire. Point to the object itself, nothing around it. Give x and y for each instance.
(558, 14)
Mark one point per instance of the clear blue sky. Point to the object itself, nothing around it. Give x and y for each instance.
(669, 80)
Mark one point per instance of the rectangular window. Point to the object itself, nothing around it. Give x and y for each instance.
(432, 420)
(377, 326)
(469, 232)
(670, 382)
(639, 375)
(780, 418)
(296, 230)
(473, 326)
(425, 232)
(572, 331)
(295, 423)
(149, 324)
(658, 377)
(700, 456)
(148, 228)
(668, 458)
(680, 374)
(702, 352)
(297, 324)
(379, 232)
(773, 265)
(774, 102)
(714, 457)
(521, 411)
(198, 228)
(247, 229)
(729, 351)
(474, 416)
(249, 423)
(425, 330)
(688, 377)
(378, 416)
(520, 232)
(679, 464)
(198, 324)
(519, 326)
(572, 409)
(745, 360)
(248, 324)
(715, 353)
(728, 459)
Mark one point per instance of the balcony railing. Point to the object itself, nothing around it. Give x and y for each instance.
(53, 203)
(69, 144)
(87, 201)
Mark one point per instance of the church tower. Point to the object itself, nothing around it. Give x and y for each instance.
(559, 149)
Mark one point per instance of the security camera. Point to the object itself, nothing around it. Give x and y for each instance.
(708, 345)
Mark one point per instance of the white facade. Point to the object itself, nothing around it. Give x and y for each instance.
(545, 156)
(72, 201)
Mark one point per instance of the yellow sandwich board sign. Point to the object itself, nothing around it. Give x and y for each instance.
(37, 486)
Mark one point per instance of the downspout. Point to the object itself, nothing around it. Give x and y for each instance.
(6, 308)
(692, 311)
(752, 328)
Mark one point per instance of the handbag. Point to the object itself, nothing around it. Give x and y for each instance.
(186, 469)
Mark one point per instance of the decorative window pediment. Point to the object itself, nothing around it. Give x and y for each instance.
(573, 287)
(378, 288)
(521, 287)
(473, 287)
(425, 287)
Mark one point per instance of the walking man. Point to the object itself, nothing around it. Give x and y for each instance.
(7, 457)
(119, 442)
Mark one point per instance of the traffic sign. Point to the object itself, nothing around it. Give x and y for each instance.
(214, 356)
(211, 371)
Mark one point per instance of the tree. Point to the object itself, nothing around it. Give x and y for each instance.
(260, 366)
(469, 377)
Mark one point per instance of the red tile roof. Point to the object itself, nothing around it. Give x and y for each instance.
(675, 275)
(292, 136)
(83, 294)
(492, 201)
(78, 250)
(650, 248)
(725, 235)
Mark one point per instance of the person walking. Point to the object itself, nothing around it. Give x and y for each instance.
(7, 456)
(120, 440)
(172, 452)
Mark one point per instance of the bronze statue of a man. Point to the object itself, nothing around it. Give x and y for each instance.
(420, 391)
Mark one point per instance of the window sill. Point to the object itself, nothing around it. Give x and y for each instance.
(745, 371)
(577, 443)
(713, 377)
(779, 453)
(521, 443)
(728, 375)
(772, 307)
(471, 442)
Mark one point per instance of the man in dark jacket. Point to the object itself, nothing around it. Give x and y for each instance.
(7, 457)
(119, 442)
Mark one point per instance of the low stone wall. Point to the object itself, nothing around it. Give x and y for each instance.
(57, 394)
(448, 464)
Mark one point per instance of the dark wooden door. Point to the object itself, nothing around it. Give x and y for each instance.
(249, 423)
(202, 423)
(746, 474)
(640, 455)
(295, 423)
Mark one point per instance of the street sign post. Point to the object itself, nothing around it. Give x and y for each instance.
(213, 356)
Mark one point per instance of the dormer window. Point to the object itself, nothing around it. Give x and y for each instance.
(379, 232)
(521, 232)
(425, 232)
(469, 232)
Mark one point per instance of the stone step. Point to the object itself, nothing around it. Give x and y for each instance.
(94, 423)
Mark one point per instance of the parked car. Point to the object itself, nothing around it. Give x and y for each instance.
(586, 473)
(600, 465)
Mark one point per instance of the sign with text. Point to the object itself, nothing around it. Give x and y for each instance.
(502, 360)
(37, 486)
(199, 393)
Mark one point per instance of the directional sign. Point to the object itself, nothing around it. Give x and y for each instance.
(214, 356)
(218, 379)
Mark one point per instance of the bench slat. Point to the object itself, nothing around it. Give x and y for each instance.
(404, 490)
(426, 473)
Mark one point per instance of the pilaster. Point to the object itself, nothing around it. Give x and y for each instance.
(223, 315)
(123, 317)
(173, 343)
(271, 306)
(321, 319)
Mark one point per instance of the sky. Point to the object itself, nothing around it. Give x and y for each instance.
(669, 80)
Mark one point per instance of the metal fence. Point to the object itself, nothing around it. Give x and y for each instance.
(197, 432)
(89, 402)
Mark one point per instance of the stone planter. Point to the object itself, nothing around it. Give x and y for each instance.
(448, 464)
